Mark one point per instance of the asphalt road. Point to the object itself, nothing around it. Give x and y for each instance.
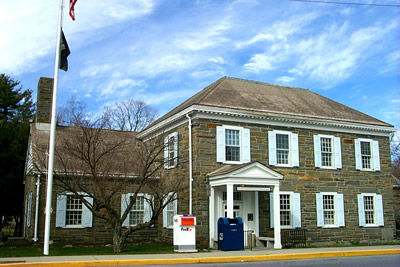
(363, 261)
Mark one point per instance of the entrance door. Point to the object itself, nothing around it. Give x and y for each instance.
(236, 211)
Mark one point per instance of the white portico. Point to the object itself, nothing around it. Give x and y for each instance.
(234, 193)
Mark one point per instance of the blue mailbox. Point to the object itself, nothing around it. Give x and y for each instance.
(230, 234)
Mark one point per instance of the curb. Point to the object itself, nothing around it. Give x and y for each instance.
(275, 257)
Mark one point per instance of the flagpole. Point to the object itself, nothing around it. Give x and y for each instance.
(52, 136)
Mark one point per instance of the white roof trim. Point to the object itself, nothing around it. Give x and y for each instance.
(226, 114)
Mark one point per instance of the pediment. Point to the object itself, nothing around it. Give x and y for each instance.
(251, 173)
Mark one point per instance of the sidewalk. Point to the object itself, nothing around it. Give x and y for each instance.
(213, 256)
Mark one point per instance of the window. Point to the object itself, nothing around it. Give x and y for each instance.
(327, 151)
(290, 210)
(367, 155)
(330, 210)
(73, 215)
(370, 210)
(28, 209)
(233, 144)
(136, 214)
(285, 210)
(171, 151)
(141, 210)
(170, 210)
(237, 196)
(72, 212)
(283, 148)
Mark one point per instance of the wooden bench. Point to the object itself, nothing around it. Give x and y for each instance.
(267, 241)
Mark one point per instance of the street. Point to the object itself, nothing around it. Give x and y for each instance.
(364, 261)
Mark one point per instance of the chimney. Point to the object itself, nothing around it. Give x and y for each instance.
(44, 100)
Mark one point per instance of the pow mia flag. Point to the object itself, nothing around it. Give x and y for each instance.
(64, 52)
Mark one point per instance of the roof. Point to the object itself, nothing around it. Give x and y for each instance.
(240, 94)
(117, 147)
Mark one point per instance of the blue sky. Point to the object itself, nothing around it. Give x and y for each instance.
(164, 51)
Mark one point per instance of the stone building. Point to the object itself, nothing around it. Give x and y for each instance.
(280, 158)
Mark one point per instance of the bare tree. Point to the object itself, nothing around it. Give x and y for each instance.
(395, 153)
(130, 115)
(102, 164)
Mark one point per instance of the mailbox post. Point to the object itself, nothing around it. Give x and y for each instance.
(185, 233)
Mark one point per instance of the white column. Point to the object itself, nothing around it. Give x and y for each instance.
(212, 220)
(229, 200)
(277, 219)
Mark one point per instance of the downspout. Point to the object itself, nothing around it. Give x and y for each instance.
(35, 239)
(208, 217)
(190, 163)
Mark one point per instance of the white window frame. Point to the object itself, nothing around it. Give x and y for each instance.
(336, 160)
(28, 210)
(244, 144)
(61, 211)
(168, 152)
(378, 210)
(295, 209)
(293, 156)
(339, 220)
(171, 207)
(147, 212)
(374, 160)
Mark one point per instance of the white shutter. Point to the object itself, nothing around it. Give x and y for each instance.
(338, 152)
(379, 210)
(294, 149)
(176, 149)
(272, 147)
(357, 152)
(125, 200)
(296, 210)
(320, 210)
(339, 206)
(165, 211)
(28, 215)
(361, 211)
(166, 139)
(317, 151)
(220, 144)
(148, 212)
(271, 209)
(87, 216)
(375, 156)
(61, 210)
(176, 204)
(246, 153)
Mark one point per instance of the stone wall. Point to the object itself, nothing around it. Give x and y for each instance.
(306, 180)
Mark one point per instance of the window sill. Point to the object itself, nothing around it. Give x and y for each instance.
(330, 226)
(370, 226)
(73, 227)
(232, 162)
(328, 168)
(287, 227)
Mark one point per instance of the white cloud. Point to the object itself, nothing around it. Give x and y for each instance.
(94, 70)
(285, 79)
(206, 37)
(260, 62)
(218, 60)
(29, 28)
(120, 88)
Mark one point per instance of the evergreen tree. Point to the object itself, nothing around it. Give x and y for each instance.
(16, 109)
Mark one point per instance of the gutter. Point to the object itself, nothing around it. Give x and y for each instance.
(190, 163)
(35, 238)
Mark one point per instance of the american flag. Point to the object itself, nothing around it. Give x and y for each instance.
(71, 9)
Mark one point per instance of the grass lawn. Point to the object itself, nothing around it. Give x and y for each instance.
(33, 251)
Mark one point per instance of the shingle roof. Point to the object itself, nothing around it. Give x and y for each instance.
(116, 144)
(248, 95)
